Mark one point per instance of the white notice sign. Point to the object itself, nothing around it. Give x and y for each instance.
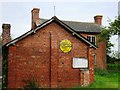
(80, 63)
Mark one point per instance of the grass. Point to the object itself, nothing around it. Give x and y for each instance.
(0, 86)
(103, 79)
(106, 79)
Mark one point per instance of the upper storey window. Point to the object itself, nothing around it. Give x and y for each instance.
(92, 39)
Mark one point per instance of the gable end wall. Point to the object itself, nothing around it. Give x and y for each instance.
(38, 57)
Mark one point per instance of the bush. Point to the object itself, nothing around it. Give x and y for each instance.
(111, 60)
(101, 72)
(31, 85)
(113, 66)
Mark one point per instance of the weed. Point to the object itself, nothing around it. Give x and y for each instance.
(31, 85)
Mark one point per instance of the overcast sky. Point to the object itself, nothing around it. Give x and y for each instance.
(18, 14)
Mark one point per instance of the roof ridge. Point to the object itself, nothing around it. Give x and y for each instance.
(70, 20)
(46, 23)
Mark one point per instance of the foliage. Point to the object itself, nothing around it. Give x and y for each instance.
(109, 80)
(116, 54)
(31, 85)
(101, 72)
(115, 26)
(113, 66)
(105, 79)
(5, 70)
(112, 60)
(105, 34)
(0, 40)
(0, 45)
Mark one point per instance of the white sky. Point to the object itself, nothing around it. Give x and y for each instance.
(18, 13)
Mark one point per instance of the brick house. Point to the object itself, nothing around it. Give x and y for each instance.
(46, 53)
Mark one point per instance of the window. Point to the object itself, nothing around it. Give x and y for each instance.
(92, 39)
(95, 62)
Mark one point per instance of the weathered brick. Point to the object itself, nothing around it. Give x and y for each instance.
(39, 56)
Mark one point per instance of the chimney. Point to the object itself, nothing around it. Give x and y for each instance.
(35, 17)
(6, 33)
(98, 19)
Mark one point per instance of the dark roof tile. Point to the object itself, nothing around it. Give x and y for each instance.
(54, 19)
(86, 27)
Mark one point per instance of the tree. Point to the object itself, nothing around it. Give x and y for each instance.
(107, 32)
(0, 44)
(0, 40)
(114, 27)
(116, 55)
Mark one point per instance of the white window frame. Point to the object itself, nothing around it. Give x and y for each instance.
(91, 38)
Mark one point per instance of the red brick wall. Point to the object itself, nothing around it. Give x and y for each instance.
(100, 52)
(39, 57)
(91, 53)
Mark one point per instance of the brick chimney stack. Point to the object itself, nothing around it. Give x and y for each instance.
(35, 17)
(6, 33)
(98, 19)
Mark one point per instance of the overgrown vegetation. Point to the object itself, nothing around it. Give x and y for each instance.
(114, 26)
(111, 30)
(113, 63)
(106, 79)
(105, 34)
(31, 85)
(113, 66)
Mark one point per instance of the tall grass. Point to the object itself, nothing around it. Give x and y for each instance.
(114, 67)
(106, 79)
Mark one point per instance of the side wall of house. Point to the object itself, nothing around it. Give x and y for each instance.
(38, 57)
(100, 52)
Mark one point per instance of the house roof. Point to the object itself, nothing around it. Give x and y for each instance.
(56, 20)
(85, 27)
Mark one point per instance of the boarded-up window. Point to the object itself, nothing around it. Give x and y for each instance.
(80, 63)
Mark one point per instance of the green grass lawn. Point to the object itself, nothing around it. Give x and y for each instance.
(106, 79)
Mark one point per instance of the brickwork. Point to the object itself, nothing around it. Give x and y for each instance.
(86, 78)
(98, 19)
(35, 17)
(101, 57)
(100, 52)
(39, 57)
(91, 53)
(6, 33)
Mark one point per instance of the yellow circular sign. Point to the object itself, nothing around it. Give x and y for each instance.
(65, 46)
